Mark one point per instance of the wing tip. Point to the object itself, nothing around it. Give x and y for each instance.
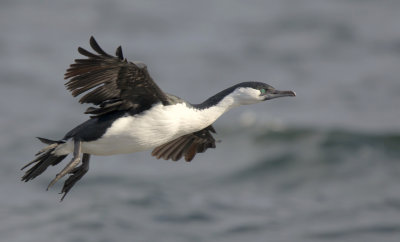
(92, 40)
(96, 47)
(118, 53)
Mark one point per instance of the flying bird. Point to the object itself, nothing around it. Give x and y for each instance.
(130, 113)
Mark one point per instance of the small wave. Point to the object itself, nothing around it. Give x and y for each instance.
(306, 152)
(350, 232)
(341, 139)
(281, 162)
(196, 216)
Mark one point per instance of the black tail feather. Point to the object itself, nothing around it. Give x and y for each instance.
(48, 141)
(44, 159)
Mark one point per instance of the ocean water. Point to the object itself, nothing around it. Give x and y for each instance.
(323, 166)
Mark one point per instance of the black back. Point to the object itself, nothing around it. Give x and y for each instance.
(93, 128)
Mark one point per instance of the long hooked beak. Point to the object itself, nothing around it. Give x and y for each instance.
(277, 93)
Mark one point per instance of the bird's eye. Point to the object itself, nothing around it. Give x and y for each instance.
(262, 91)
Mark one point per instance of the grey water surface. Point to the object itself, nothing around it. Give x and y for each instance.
(323, 166)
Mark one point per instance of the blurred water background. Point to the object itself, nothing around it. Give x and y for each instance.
(323, 166)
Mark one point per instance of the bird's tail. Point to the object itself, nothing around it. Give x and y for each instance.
(44, 158)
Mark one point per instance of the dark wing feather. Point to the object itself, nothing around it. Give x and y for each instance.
(112, 83)
(188, 145)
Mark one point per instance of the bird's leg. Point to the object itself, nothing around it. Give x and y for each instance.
(71, 165)
(77, 174)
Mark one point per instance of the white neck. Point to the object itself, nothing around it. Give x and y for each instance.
(241, 96)
(211, 114)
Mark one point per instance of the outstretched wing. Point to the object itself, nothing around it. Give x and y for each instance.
(112, 83)
(187, 145)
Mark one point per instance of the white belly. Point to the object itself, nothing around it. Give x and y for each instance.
(147, 130)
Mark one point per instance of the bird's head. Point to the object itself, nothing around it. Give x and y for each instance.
(253, 92)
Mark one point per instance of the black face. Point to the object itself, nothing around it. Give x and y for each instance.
(267, 91)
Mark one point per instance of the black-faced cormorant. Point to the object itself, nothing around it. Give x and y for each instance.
(131, 113)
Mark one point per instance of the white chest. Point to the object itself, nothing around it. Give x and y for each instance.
(152, 128)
